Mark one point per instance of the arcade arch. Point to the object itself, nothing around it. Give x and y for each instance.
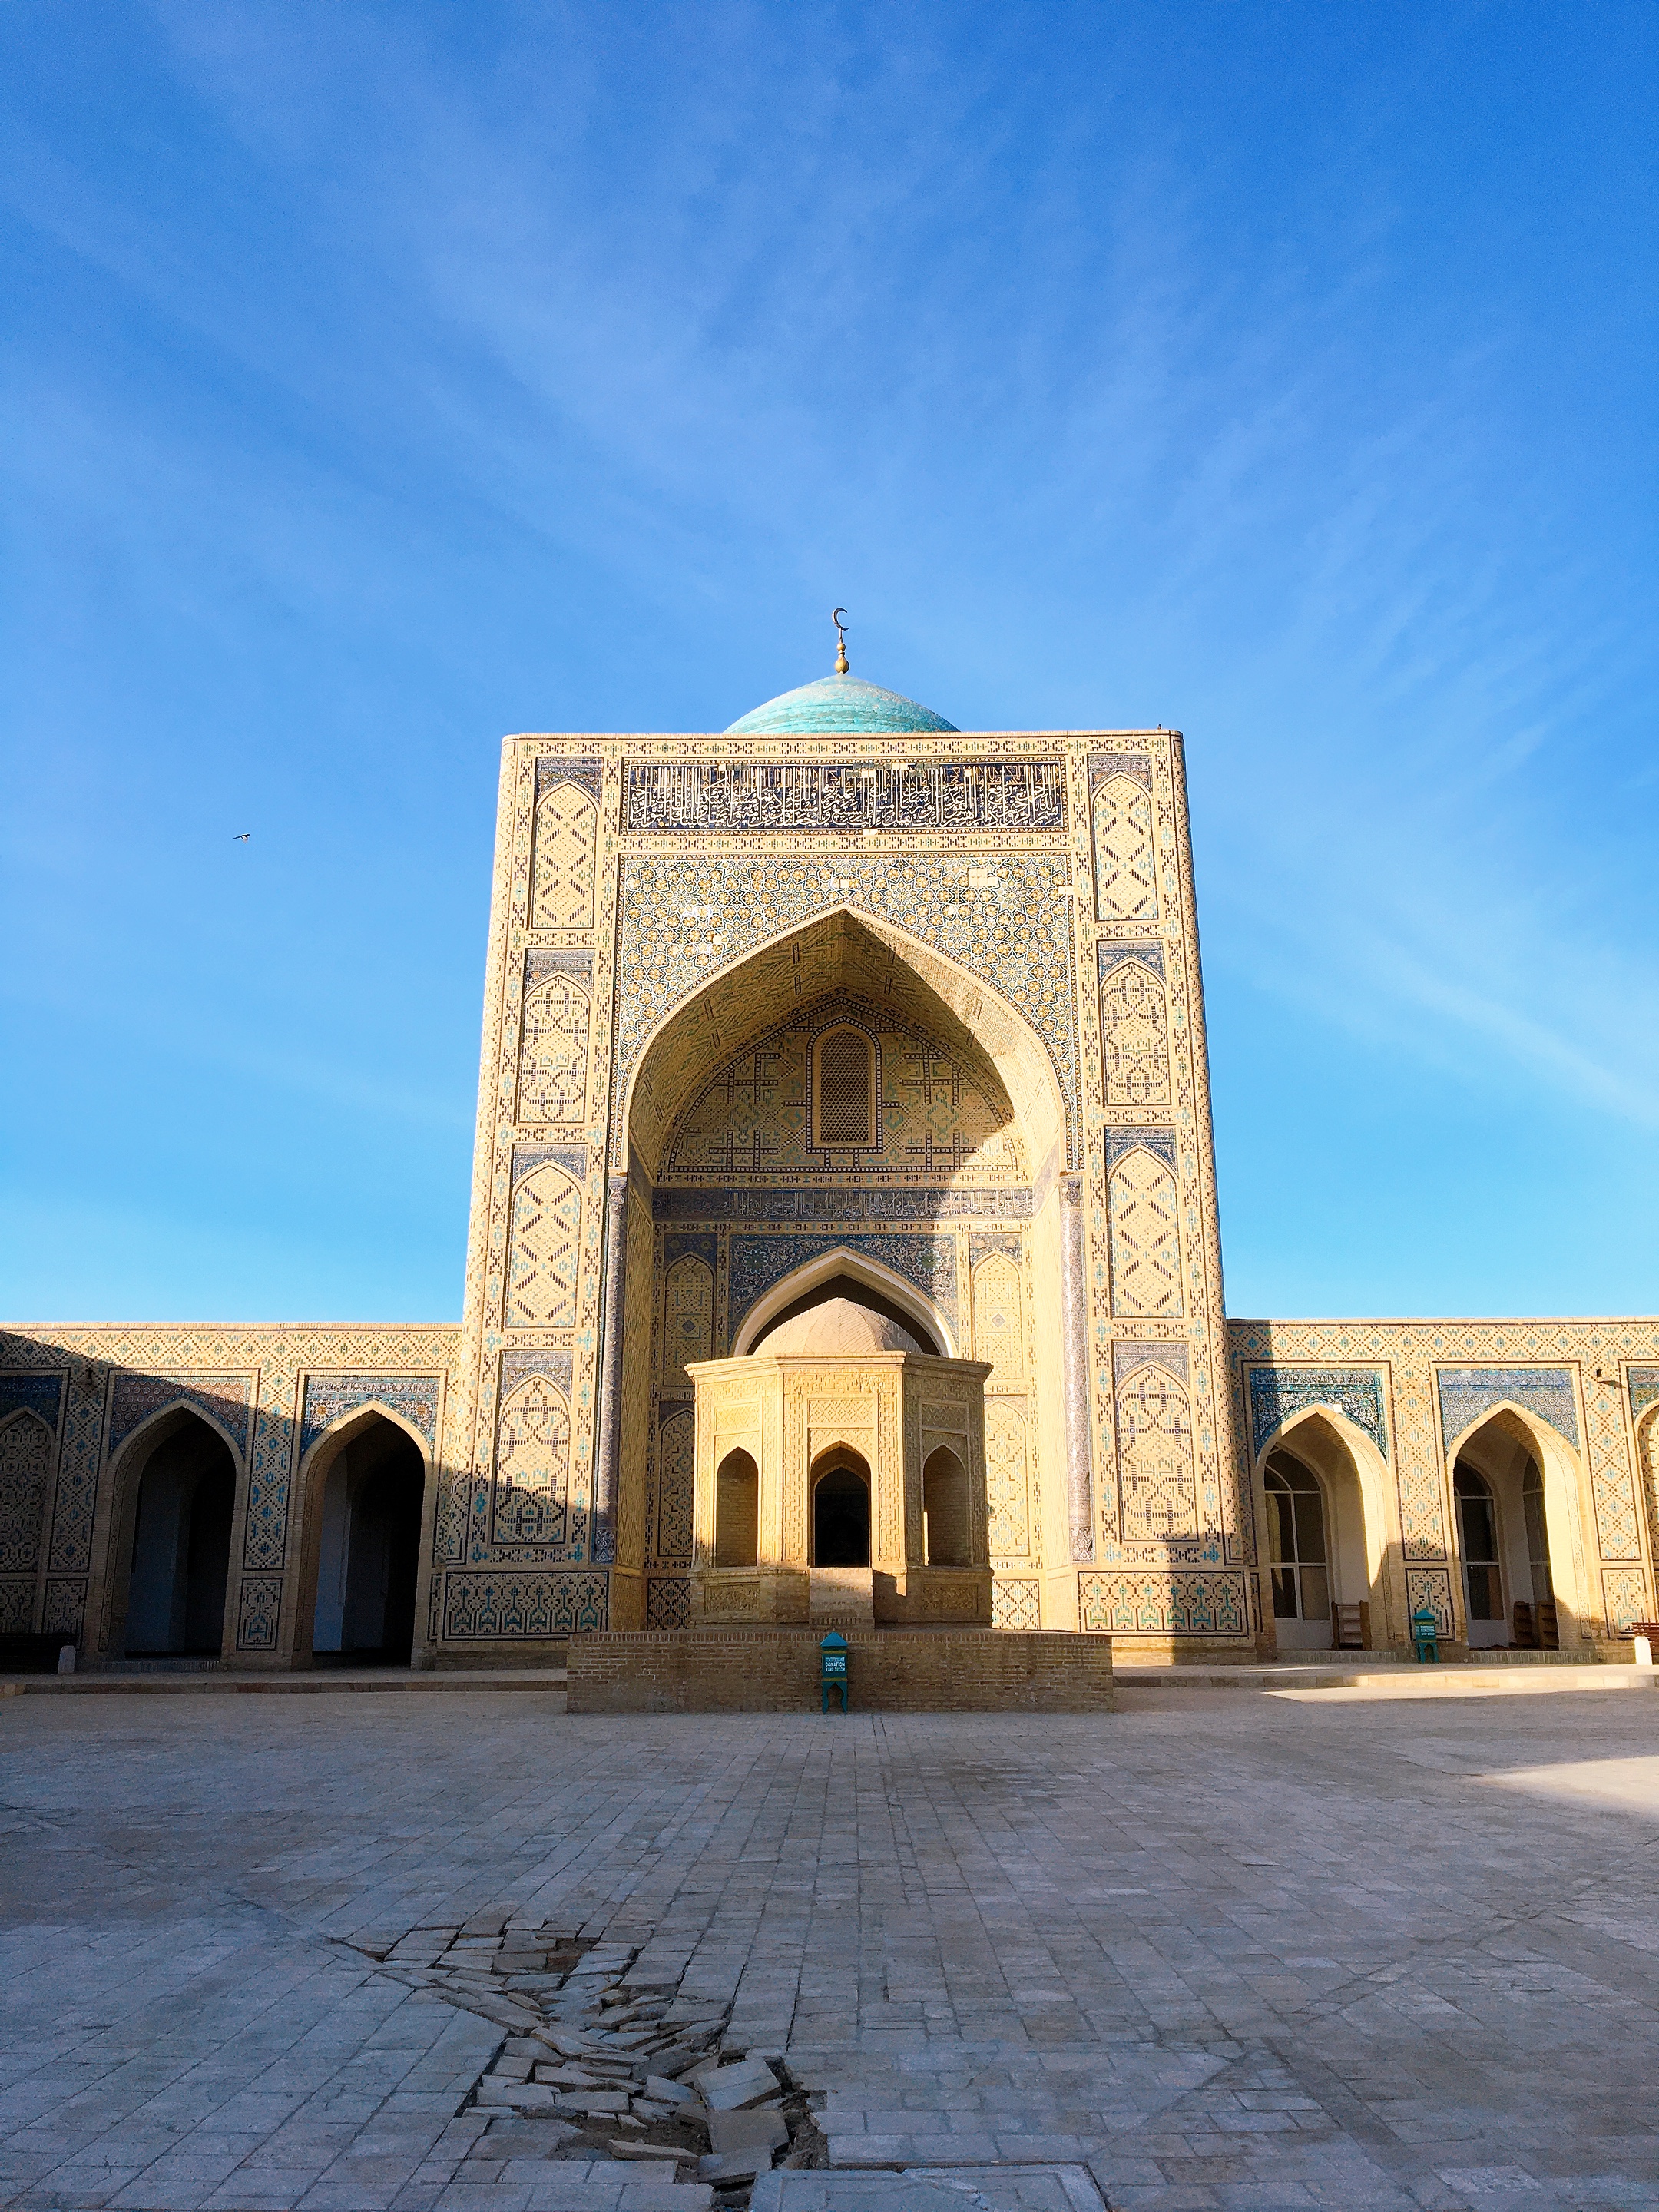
(177, 1489)
(364, 1486)
(1326, 1547)
(1511, 1493)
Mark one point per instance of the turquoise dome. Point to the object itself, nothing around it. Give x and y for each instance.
(836, 704)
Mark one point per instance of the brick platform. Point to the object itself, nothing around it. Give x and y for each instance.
(770, 1670)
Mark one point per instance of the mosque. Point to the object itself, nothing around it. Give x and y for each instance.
(843, 1248)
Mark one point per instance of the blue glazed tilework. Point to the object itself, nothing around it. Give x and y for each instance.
(1279, 1393)
(33, 1393)
(328, 1397)
(1466, 1393)
(758, 1263)
(228, 1399)
(1159, 1142)
(1212, 1601)
(1644, 1383)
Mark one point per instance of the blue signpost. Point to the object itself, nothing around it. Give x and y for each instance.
(832, 1673)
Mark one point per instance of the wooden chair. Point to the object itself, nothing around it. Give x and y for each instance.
(1350, 1627)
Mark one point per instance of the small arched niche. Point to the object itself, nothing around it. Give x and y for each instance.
(737, 1511)
(179, 1562)
(947, 1528)
(841, 1509)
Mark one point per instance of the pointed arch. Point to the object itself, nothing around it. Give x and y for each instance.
(1144, 1238)
(824, 1268)
(743, 997)
(320, 1535)
(1365, 1560)
(1569, 1517)
(567, 835)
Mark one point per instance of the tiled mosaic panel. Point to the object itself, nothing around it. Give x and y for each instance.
(1016, 1603)
(1466, 1393)
(481, 1605)
(1157, 1477)
(64, 1612)
(1213, 1603)
(16, 1604)
(1279, 1394)
(998, 1312)
(667, 1602)
(41, 1395)
(1007, 1476)
(330, 1398)
(1134, 1034)
(566, 838)
(1431, 1587)
(1625, 1598)
(225, 1399)
(26, 1448)
(887, 1202)
(545, 1253)
(258, 1613)
(1014, 931)
(1126, 860)
(530, 1494)
(759, 1263)
(758, 798)
(676, 1443)
(74, 1504)
(553, 1054)
(1143, 1211)
(687, 1329)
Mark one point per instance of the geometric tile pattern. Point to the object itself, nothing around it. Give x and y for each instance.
(1625, 1598)
(1134, 1028)
(225, 1399)
(1156, 1474)
(1181, 1604)
(1431, 1587)
(667, 1602)
(758, 1263)
(330, 1398)
(546, 1246)
(1125, 877)
(999, 1317)
(1466, 1393)
(482, 1604)
(529, 1499)
(1146, 1239)
(1016, 1603)
(688, 1328)
(1007, 1476)
(553, 1053)
(26, 1447)
(1278, 1393)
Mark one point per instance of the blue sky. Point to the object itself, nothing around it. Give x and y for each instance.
(381, 379)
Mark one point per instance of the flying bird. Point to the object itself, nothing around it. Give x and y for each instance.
(241, 837)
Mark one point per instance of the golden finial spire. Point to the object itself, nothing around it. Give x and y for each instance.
(839, 619)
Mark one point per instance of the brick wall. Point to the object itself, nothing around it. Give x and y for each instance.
(770, 1670)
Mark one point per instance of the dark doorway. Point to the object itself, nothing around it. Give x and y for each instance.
(181, 1546)
(368, 1558)
(841, 1513)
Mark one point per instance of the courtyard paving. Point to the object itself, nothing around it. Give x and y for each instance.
(1214, 1950)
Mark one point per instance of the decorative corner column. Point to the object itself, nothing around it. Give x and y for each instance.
(1075, 1321)
(603, 1547)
